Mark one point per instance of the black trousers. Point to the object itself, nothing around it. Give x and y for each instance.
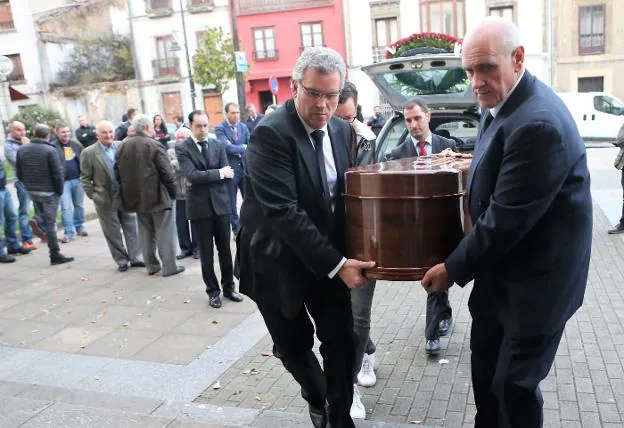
(438, 309)
(329, 305)
(506, 372)
(622, 182)
(186, 238)
(215, 228)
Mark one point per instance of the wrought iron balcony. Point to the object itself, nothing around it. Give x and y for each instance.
(166, 67)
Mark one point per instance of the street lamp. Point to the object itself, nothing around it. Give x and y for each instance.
(188, 57)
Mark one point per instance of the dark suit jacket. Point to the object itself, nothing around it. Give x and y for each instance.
(407, 150)
(289, 239)
(530, 204)
(251, 124)
(209, 194)
(146, 179)
(235, 147)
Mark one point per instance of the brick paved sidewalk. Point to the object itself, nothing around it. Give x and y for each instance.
(584, 389)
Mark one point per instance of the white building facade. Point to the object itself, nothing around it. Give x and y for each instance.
(160, 49)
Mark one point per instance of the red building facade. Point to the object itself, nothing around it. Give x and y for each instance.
(273, 33)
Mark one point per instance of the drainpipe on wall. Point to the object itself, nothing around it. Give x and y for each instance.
(135, 61)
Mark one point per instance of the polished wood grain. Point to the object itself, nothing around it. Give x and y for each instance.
(406, 215)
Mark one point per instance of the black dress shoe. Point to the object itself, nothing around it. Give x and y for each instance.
(122, 268)
(183, 255)
(215, 302)
(59, 259)
(178, 270)
(318, 417)
(233, 296)
(7, 259)
(137, 264)
(19, 250)
(196, 254)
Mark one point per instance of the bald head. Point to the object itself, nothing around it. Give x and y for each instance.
(105, 133)
(17, 130)
(182, 134)
(493, 57)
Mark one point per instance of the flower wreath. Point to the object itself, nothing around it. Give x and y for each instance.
(419, 40)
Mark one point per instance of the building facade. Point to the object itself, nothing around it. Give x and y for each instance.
(161, 55)
(273, 33)
(590, 46)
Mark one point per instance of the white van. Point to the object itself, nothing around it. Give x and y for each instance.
(598, 115)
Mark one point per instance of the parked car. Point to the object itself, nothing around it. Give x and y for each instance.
(437, 77)
(598, 115)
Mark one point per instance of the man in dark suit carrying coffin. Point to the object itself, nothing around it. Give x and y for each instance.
(422, 142)
(204, 164)
(291, 243)
(529, 248)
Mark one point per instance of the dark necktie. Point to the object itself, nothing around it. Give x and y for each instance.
(235, 131)
(204, 151)
(317, 137)
(422, 150)
(486, 122)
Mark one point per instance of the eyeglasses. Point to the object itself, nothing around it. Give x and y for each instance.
(314, 93)
(348, 119)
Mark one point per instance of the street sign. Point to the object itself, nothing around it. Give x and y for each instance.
(6, 65)
(241, 62)
(274, 85)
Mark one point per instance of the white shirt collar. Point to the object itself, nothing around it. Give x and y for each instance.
(308, 128)
(497, 108)
(429, 139)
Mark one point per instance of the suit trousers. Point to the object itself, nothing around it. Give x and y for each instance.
(217, 228)
(157, 230)
(186, 238)
(506, 372)
(438, 309)
(329, 305)
(113, 222)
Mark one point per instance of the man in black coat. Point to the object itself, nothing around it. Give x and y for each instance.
(252, 117)
(204, 164)
(422, 142)
(291, 243)
(529, 248)
(39, 166)
(85, 133)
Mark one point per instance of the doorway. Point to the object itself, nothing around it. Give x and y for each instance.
(266, 99)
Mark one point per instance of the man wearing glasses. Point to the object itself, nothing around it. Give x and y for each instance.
(291, 244)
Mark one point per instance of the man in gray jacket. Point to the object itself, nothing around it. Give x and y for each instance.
(39, 167)
(97, 177)
(148, 187)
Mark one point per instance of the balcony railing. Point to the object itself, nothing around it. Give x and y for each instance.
(166, 67)
(7, 25)
(265, 55)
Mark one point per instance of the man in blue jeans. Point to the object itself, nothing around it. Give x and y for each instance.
(17, 137)
(72, 200)
(8, 218)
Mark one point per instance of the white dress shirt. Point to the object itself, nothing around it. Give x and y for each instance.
(199, 147)
(497, 108)
(330, 171)
(428, 145)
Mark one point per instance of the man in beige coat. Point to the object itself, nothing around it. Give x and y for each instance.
(98, 181)
(148, 187)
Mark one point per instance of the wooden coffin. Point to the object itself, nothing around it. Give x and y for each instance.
(406, 215)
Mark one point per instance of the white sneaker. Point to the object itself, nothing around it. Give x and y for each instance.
(358, 411)
(366, 377)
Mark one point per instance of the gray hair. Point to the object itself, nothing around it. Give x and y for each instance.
(506, 31)
(325, 60)
(142, 123)
(41, 131)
